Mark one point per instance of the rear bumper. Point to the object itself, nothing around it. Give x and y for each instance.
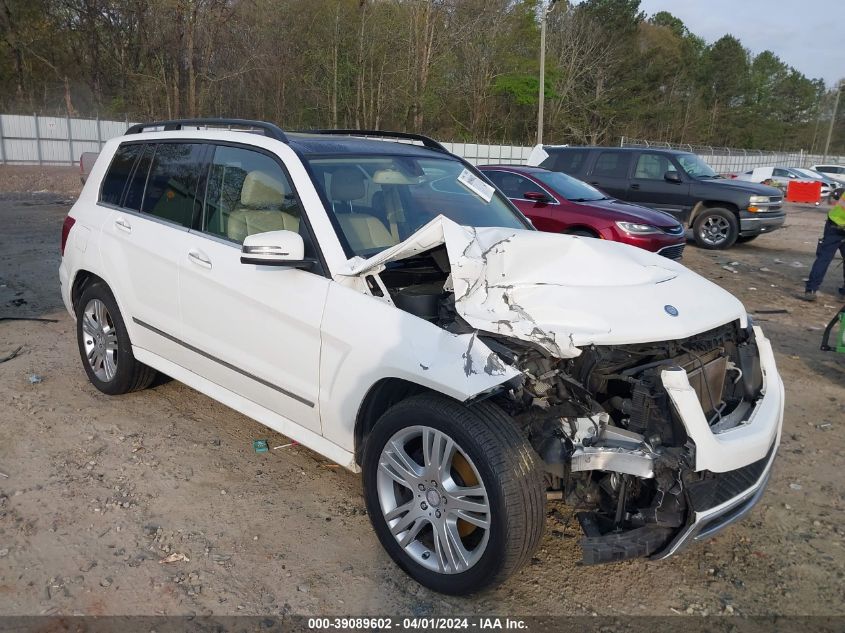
(755, 224)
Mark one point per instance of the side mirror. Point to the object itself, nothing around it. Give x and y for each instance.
(672, 176)
(275, 248)
(536, 196)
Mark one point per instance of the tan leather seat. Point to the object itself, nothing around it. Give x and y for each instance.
(260, 210)
(363, 232)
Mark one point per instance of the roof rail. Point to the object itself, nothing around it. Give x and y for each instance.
(269, 129)
(425, 140)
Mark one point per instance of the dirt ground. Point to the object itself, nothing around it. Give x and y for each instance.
(100, 490)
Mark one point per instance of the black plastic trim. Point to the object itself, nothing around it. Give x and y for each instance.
(235, 369)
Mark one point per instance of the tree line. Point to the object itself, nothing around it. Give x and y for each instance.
(454, 69)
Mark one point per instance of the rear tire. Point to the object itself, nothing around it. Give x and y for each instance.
(425, 505)
(716, 229)
(104, 345)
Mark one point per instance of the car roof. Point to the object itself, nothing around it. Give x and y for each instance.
(665, 150)
(525, 169)
(323, 144)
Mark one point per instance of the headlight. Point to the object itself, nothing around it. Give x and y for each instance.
(760, 200)
(638, 229)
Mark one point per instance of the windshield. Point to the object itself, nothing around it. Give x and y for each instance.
(696, 167)
(569, 187)
(378, 201)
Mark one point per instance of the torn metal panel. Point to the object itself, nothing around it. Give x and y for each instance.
(562, 292)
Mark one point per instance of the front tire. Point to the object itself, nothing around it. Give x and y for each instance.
(716, 229)
(454, 493)
(104, 345)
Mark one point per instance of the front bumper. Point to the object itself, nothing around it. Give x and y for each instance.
(733, 451)
(757, 223)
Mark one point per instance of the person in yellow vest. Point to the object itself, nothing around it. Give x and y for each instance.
(832, 240)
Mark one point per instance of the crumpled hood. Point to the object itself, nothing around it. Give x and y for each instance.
(563, 292)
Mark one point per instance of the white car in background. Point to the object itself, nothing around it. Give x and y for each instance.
(782, 176)
(837, 172)
(387, 307)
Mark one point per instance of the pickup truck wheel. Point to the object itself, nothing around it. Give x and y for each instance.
(716, 229)
(104, 344)
(453, 492)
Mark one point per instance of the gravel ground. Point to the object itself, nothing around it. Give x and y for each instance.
(101, 492)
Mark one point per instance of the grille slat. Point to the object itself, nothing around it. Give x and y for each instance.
(672, 252)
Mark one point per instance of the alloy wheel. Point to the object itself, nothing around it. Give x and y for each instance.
(714, 230)
(433, 500)
(99, 340)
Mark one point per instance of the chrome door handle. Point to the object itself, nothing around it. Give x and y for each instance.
(123, 225)
(199, 258)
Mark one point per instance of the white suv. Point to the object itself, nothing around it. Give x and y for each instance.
(383, 304)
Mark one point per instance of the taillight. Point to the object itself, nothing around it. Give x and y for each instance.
(66, 227)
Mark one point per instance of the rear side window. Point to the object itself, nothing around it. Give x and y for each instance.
(172, 184)
(612, 164)
(512, 185)
(118, 173)
(569, 161)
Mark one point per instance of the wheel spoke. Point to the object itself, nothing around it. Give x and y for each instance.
(400, 510)
(89, 326)
(110, 364)
(111, 341)
(438, 450)
(412, 532)
(399, 466)
(404, 523)
(446, 557)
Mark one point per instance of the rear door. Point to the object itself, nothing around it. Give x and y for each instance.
(144, 235)
(610, 172)
(649, 186)
(254, 330)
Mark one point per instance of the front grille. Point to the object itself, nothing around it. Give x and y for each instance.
(672, 252)
(713, 489)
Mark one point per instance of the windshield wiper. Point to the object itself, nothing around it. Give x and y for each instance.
(587, 199)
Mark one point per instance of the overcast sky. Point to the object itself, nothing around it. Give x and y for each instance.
(806, 34)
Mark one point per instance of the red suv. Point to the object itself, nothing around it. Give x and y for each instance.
(559, 203)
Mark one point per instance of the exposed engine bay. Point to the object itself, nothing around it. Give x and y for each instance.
(611, 443)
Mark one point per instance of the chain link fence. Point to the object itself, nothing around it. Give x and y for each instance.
(727, 160)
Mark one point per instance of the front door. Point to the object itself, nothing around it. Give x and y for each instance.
(254, 330)
(649, 186)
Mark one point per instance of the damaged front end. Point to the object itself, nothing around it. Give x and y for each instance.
(658, 429)
(614, 446)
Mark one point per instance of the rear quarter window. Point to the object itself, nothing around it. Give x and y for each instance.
(569, 161)
(118, 172)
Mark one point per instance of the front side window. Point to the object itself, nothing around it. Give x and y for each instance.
(695, 167)
(118, 173)
(378, 201)
(171, 190)
(652, 167)
(248, 193)
(612, 164)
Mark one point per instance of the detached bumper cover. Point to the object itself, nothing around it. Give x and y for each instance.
(742, 456)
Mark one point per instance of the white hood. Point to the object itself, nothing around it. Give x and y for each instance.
(563, 292)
